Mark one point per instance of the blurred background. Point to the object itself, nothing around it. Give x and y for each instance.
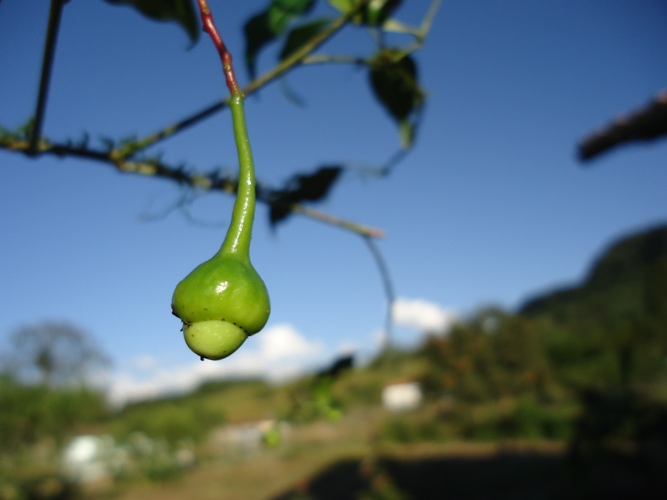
(527, 352)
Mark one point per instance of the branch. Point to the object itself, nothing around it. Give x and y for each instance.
(158, 168)
(388, 290)
(280, 69)
(645, 124)
(225, 56)
(335, 58)
(55, 14)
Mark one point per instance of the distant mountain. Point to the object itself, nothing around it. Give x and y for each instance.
(616, 288)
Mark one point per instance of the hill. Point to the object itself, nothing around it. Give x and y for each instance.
(624, 283)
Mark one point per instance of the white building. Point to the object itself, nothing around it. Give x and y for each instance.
(402, 396)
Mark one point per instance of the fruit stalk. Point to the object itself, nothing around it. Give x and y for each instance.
(237, 240)
(224, 300)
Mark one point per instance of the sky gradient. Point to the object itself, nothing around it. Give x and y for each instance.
(490, 207)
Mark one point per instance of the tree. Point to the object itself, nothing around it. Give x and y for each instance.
(45, 384)
(54, 354)
(492, 355)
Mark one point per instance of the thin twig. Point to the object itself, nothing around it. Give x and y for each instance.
(55, 15)
(280, 69)
(388, 291)
(225, 56)
(335, 58)
(161, 169)
(427, 22)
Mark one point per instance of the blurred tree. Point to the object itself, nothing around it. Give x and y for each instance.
(493, 355)
(31, 412)
(45, 389)
(53, 354)
(610, 329)
(168, 420)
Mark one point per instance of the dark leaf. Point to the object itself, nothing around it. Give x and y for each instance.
(643, 125)
(179, 11)
(263, 28)
(303, 188)
(314, 187)
(278, 213)
(338, 366)
(301, 35)
(281, 12)
(395, 84)
(257, 34)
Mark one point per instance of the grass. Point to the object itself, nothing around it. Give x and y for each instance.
(370, 454)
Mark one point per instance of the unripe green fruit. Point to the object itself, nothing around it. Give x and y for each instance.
(223, 288)
(213, 339)
(223, 301)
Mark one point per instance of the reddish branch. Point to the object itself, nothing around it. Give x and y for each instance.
(645, 124)
(225, 55)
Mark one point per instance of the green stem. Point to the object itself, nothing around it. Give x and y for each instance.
(237, 240)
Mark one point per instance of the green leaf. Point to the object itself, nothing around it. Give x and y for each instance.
(393, 78)
(378, 11)
(407, 130)
(301, 35)
(344, 6)
(179, 11)
(281, 12)
(375, 13)
(266, 26)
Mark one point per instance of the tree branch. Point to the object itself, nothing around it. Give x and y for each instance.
(645, 124)
(388, 291)
(280, 69)
(158, 168)
(55, 15)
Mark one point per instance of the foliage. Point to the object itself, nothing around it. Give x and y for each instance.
(494, 355)
(54, 354)
(179, 11)
(32, 412)
(615, 288)
(610, 328)
(391, 70)
(316, 399)
(508, 374)
(171, 421)
(45, 390)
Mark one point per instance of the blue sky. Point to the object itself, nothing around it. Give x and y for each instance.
(490, 207)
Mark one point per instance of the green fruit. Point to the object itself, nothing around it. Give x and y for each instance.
(213, 339)
(224, 300)
(225, 289)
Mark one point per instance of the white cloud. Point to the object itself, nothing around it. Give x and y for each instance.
(144, 362)
(347, 347)
(379, 338)
(423, 315)
(284, 342)
(277, 353)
